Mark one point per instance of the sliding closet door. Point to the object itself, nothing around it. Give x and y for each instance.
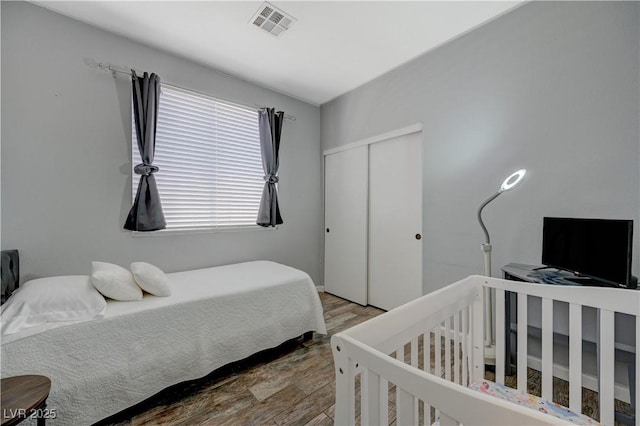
(345, 248)
(395, 221)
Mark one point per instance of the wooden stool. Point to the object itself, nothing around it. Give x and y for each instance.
(22, 397)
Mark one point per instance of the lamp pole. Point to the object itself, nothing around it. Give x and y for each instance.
(488, 306)
(486, 247)
(509, 183)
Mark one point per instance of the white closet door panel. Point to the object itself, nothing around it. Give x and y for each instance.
(395, 218)
(345, 252)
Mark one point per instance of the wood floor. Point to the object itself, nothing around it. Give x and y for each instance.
(293, 386)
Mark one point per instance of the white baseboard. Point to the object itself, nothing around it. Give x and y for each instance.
(621, 392)
(320, 288)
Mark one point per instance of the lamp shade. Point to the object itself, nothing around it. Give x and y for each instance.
(514, 179)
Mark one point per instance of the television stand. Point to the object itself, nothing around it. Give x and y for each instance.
(589, 282)
(549, 275)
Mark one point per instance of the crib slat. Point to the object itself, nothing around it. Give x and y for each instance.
(426, 354)
(400, 353)
(437, 352)
(447, 349)
(456, 347)
(414, 363)
(575, 358)
(522, 342)
(547, 349)
(606, 351)
(465, 340)
(383, 398)
(500, 337)
(370, 398)
(426, 421)
(404, 407)
(364, 396)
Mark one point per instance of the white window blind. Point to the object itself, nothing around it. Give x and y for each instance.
(209, 157)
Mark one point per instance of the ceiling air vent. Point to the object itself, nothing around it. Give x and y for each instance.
(272, 20)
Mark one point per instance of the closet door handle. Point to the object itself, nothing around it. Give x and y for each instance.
(418, 237)
(327, 230)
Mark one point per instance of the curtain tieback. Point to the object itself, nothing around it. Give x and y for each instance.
(145, 169)
(271, 179)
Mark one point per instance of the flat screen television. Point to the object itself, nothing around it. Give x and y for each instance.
(596, 248)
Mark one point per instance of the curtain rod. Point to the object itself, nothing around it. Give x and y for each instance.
(118, 70)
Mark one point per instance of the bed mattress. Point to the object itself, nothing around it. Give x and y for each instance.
(214, 316)
(531, 401)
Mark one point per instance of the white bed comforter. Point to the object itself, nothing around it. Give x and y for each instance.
(214, 316)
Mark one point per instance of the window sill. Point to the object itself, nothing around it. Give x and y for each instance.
(170, 232)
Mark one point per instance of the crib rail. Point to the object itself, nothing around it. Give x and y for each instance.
(455, 404)
(607, 301)
(386, 363)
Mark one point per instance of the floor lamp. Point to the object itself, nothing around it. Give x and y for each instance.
(509, 183)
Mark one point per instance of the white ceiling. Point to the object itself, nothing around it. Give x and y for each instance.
(334, 47)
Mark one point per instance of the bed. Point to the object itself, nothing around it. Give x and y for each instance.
(215, 316)
(381, 363)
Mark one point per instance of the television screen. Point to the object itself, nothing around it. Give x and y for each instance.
(598, 248)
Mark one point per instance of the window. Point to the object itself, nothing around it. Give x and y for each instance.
(209, 157)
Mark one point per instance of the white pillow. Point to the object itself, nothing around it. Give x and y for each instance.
(151, 279)
(114, 281)
(53, 299)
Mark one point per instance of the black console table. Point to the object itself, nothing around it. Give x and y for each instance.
(534, 274)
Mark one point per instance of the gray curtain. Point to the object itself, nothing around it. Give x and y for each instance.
(270, 123)
(146, 212)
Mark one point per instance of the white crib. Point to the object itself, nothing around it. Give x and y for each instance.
(380, 363)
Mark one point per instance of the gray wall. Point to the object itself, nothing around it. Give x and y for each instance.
(551, 86)
(0, 133)
(66, 184)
